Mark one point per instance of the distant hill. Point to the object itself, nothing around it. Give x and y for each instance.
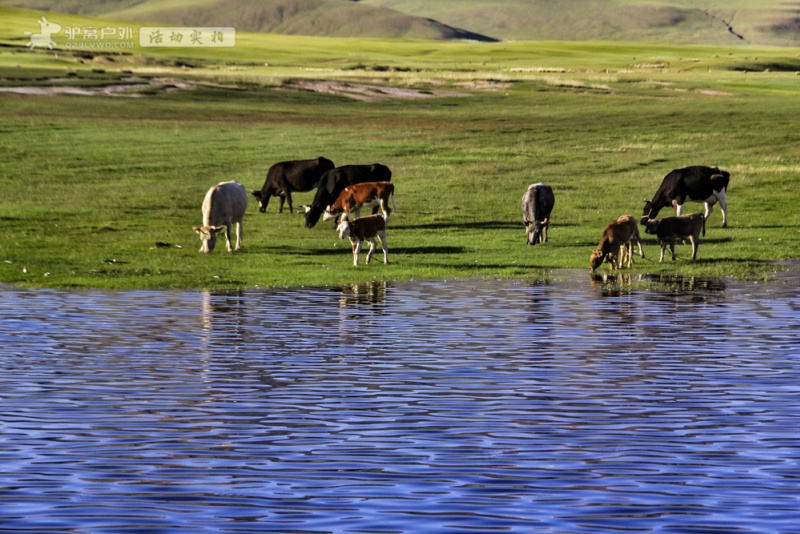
(713, 22)
(331, 18)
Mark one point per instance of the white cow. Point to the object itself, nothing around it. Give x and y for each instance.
(225, 204)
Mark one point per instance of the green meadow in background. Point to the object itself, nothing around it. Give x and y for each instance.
(100, 187)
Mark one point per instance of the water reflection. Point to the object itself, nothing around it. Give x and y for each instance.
(418, 407)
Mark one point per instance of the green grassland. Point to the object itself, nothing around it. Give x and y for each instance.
(91, 182)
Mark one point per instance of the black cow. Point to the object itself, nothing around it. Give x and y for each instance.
(698, 183)
(288, 176)
(334, 182)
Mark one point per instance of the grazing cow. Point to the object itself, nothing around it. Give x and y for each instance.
(353, 197)
(537, 203)
(365, 229)
(287, 176)
(617, 235)
(335, 180)
(669, 229)
(225, 204)
(698, 183)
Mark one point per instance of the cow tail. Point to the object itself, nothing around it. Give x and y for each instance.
(704, 225)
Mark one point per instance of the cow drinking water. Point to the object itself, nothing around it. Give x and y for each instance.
(618, 234)
(224, 205)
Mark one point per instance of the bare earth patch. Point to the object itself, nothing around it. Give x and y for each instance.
(362, 91)
(708, 92)
(133, 87)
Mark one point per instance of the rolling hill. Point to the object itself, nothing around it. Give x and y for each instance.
(712, 22)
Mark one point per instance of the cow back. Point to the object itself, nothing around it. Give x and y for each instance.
(224, 203)
(335, 180)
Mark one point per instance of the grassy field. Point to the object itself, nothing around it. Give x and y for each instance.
(91, 182)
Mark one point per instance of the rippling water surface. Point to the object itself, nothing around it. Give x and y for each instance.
(413, 407)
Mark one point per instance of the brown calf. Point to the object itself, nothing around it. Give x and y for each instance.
(353, 197)
(669, 229)
(365, 229)
(618, 234)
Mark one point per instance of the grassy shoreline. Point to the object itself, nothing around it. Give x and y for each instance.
(91, 182)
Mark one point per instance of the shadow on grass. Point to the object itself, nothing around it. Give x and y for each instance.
(436, 249)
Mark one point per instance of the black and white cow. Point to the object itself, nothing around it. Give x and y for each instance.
(335, 180)
(537, 204)
(697, 183)
(287, 176)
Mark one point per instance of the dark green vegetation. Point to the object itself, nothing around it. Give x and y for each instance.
(713, 22)
(92, 183)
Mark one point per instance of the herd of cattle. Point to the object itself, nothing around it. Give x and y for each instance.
(340, 191)
(698, 183)
(344, 190)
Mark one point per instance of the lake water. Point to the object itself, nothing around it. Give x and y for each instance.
(462, 406)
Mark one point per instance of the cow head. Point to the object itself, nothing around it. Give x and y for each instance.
(343, 229)
(313, 213)
(534, 231)
(208, 237)
(329, 213)
(651, 226)
(596, 259)
(263, 200)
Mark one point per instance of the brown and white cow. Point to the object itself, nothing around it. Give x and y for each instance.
(618, 234)
(224, 205)
(354, 197)
(365, 229)
(669, 229)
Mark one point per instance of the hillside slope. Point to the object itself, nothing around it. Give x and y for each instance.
(716, 22)
(711, 22)
(330, 18)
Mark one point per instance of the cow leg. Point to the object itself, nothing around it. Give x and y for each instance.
(545, 224)
(356, 250)
(672, 249)
(385, 248)
(383, 209)
(709, 209)
(228, 237)
(289, 200)
(280, 207)
(678, 207)
(371, 249)
(663, 246)
(695, 242)
(239, 232)
(639, 244)
(723, 205)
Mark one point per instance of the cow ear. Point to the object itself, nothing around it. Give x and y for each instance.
(197, 229)
(218, 228)
(256, 194)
